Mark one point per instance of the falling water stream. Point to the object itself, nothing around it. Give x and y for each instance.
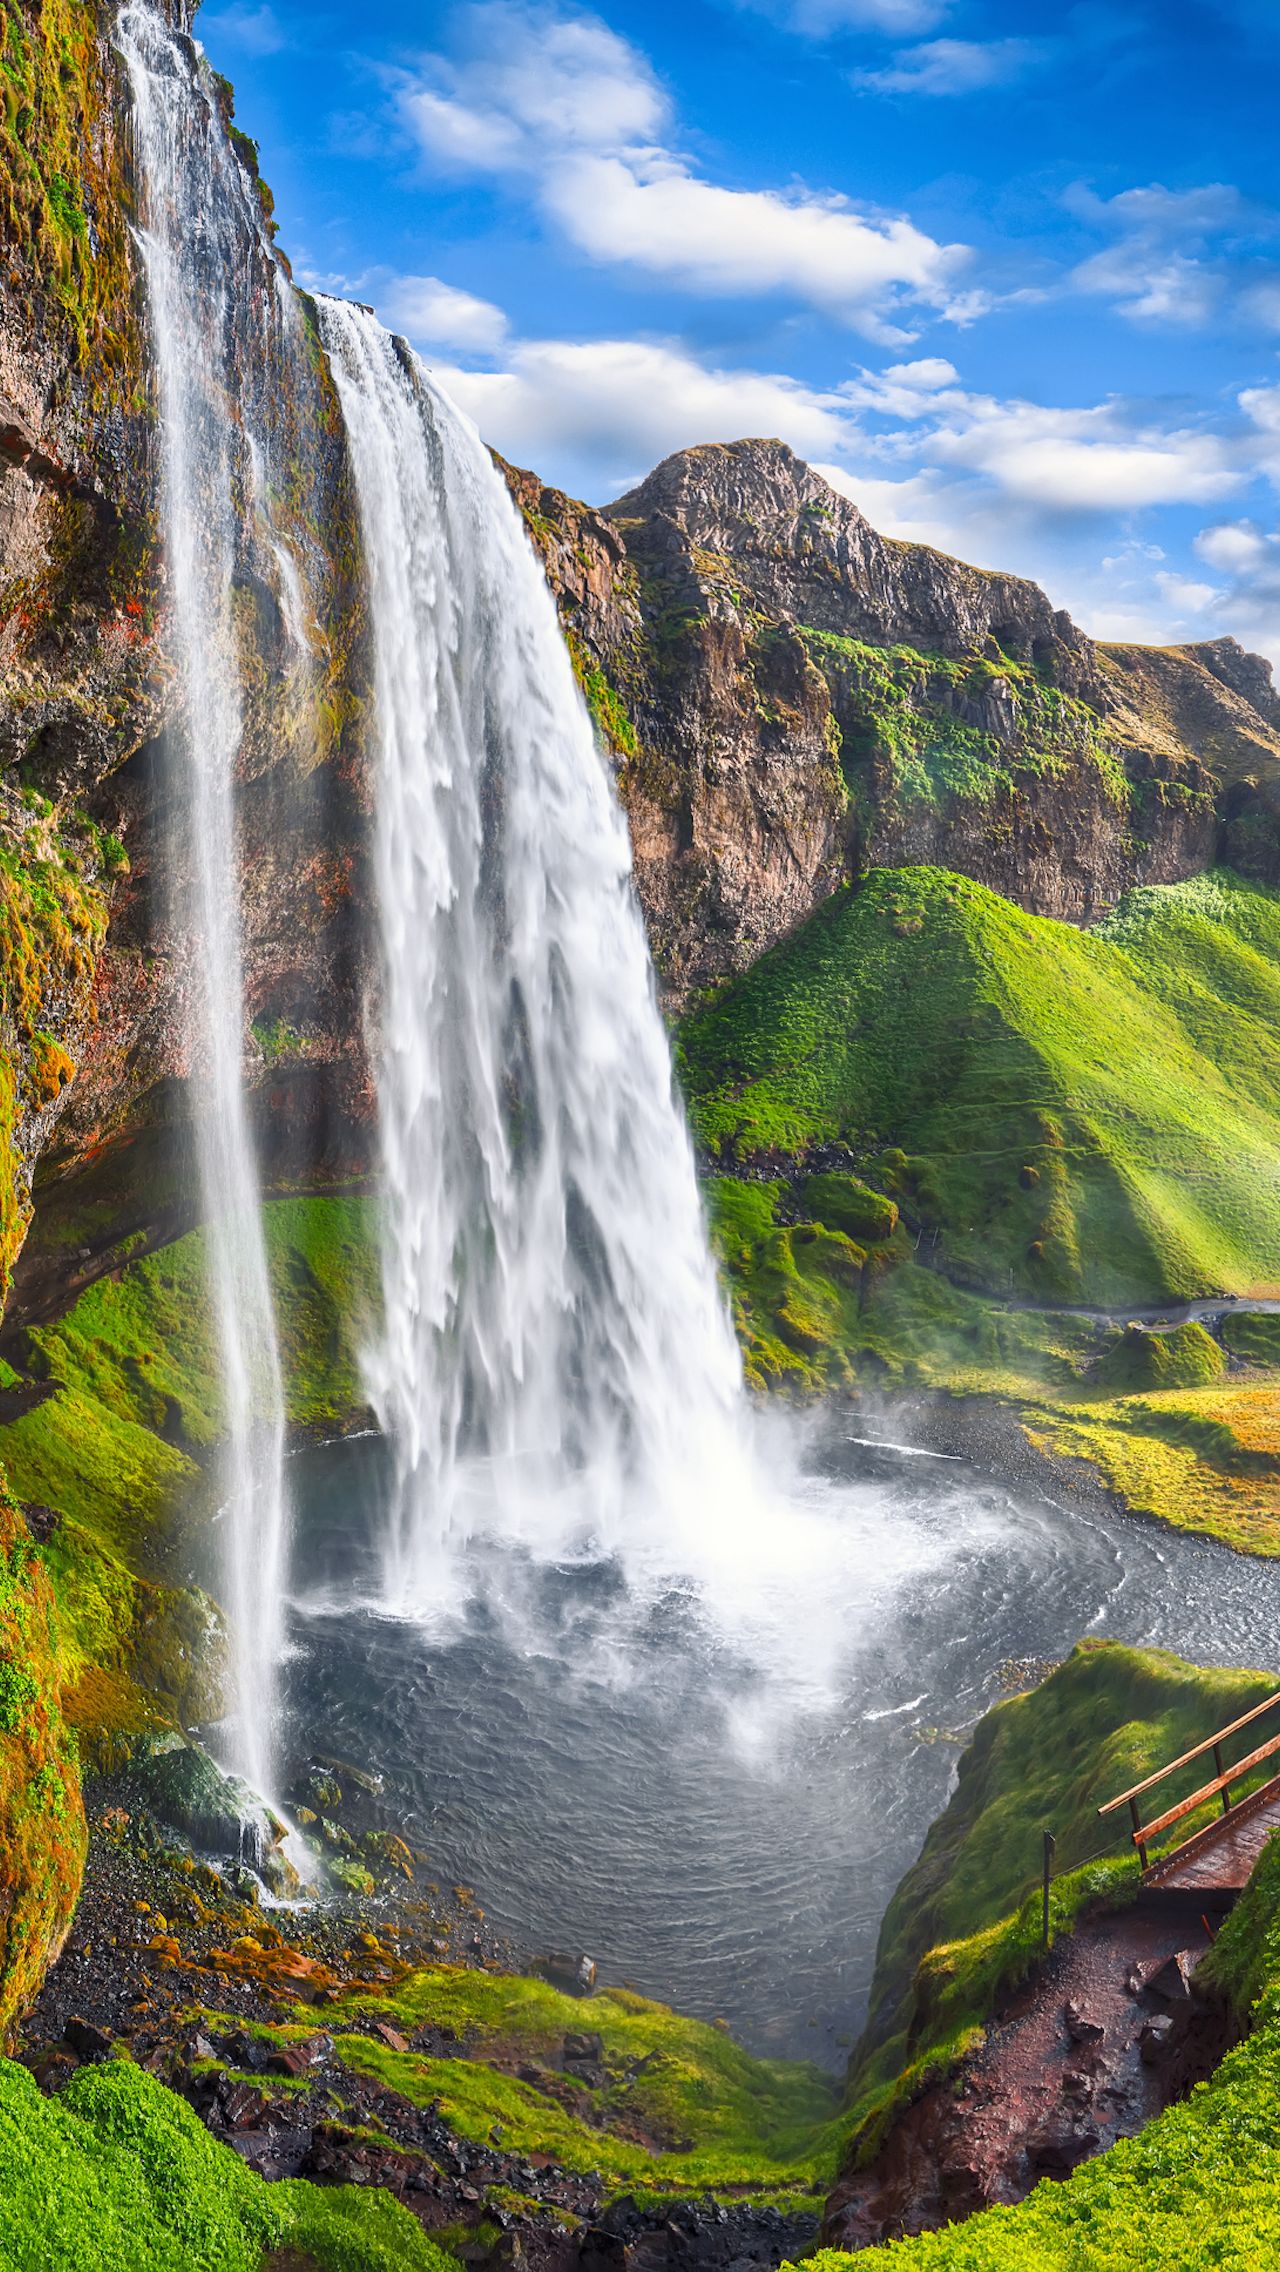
(556, 1367)
(199, 234)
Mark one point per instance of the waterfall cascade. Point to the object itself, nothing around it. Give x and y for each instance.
(212, 287)
(556, 1367)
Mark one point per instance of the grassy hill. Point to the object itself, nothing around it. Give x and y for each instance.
(1079, 1116)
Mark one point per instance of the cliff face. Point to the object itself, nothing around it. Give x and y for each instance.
(792, 698)
(86, 691)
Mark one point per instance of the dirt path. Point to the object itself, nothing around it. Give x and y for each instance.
(1104, 2037)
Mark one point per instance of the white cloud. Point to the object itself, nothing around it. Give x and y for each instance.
(529, 84)
(1092, 459)
(599, 415)
(255, 31)
(1248, 604)
(818, 19)
(1177, 253)
(1080, 461)
(439, 315)
(952, 67)
(664, 219)
(566, 102)
(1235, 546)
(923, 376)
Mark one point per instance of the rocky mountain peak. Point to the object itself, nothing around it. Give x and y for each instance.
(750, 518)
(722, 492)
(1245, 674)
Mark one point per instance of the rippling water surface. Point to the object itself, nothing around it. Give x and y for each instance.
(712, 1827)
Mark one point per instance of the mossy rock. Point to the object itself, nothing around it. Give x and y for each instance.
(1179, 1356)
(186, 1791)
(850, 1206)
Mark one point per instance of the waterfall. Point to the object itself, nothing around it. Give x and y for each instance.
(213, 297)
(556, 1367)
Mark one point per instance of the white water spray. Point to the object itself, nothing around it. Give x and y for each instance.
(197, 222)
(556, 1368)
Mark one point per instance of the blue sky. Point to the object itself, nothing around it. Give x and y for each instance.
(1009, 275)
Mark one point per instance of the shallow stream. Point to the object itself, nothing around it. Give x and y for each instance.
(710, 1828)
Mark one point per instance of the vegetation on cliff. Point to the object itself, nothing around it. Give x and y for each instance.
(1085, 1116)
(678, 2108)
(964, 1925)
(42, 1832)
(1198, 2190)
(1056, 1122)
(122, 1411)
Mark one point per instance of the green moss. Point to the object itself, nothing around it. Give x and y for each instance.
(719, 2120)
(1206, 1460)
(57, 160)
(907, 714)
(1180, 1356)
(849, 1206)
(42, 1835)
(1254, 1336)
(117, 2173)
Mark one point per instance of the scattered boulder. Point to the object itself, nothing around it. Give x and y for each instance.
(86, 2040)
(1153, 2040)
(576, 1974)
(1170, 1983)
(1080, 2025)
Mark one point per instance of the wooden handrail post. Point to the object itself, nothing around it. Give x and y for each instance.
(1049, 1843)
(1221, 1770)
(1137, 1832)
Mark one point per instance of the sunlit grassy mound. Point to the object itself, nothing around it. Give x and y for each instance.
(1088, 1116)
(116, 2174)
(964, 1925)
(1205, 1459)
(1197, 2191)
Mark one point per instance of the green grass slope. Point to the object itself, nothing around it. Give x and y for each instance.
(683, 2109)
(123, 1438)
(1080, 1116)
(1197, 2191)
(116, 2174)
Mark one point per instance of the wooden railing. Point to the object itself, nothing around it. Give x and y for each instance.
(1220, 1786)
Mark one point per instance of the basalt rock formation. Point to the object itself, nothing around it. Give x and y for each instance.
(792, 698)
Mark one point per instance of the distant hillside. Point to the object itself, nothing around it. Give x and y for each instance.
(1084, 1116)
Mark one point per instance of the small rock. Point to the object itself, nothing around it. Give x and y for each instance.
(1081, 2025)
(86, 2040)
(1153, 2041)
(42, 1522)
(243, 2107)
(576, 1973)
(287, 2059)
(1171, 1982)
(582, 2050)
(389, 2035)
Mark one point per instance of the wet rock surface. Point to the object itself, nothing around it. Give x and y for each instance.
(1108, 2033)
(177, 1963)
